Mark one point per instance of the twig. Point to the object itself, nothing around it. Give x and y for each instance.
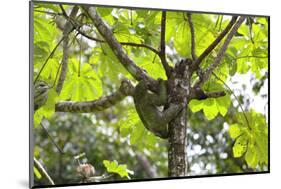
(122, 43)
(50, 55)
(51, 138)
(214, 43)
(56, 77)
(68, 28)
(42, 171)
(193, 50)
(162, 53)
(250, 57)
(234, 97)
(62, 9)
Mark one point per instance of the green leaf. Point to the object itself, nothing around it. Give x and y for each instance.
(81, 85)
(172, 20)
(240, 146)
(243, 66)
(251, 137)
(139, 136)
(142, 13)
(234, 131)
(41, 51)
(50, 70)
(126, 125)
(210, 109)
(113, 167)
(182, 40)
(43, 29)
(151, 65)
(251, 156)
(196, 105)
(37, 173)
(223, 103)
(250, 48)
(38, 116)
(211, 106)
(45, 6)
(104, 11)
(212, 85)
(108, 65)
(125, 33)
(232, 67)
(204, 31)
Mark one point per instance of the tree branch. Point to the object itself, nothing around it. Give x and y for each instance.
(214, 43)
(221, 52)
(42, 171)
(68, 28)
(51, 138)
(117, 49)
(193, 53)
(162, 53)
(199, 94)
(126, 89)
(79, 31)
(122, 43)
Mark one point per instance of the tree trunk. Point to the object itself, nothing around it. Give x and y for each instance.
(177, 146)
(179, 91)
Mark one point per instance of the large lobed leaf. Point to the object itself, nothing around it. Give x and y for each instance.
(211, 106)
(251, 138)
(133, 128)
(82, 83)
(121, 169)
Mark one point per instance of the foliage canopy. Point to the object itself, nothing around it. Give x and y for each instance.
(227, 128)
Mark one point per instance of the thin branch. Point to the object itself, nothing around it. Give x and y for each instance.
(236, 98)
(42, 171)
(122, 43)
(105, 31)
(57, 74)
(62, 9)
(64, 63)
(216, 94)
(126, 89)
(162, 53)
(199, 94)
(139, 45)
(222, 50)
(47, 12)
(46, 61)
(192, 32)
(56, 77)
(250, 57)
(51, 138)
(68, 28)
(214, 43)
